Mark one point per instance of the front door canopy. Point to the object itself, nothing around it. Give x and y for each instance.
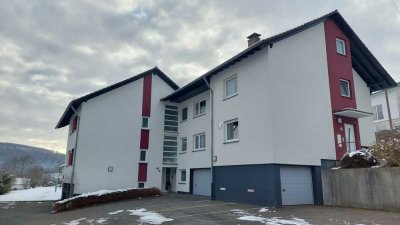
(352, 113)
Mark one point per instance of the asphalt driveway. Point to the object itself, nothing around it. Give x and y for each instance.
(187, 209)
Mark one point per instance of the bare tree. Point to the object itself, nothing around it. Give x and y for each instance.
(19, 165)
(35, 174)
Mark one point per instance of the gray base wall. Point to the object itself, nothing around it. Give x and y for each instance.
(377, 188)
(263, 179)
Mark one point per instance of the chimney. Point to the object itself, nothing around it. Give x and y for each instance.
(253, 38)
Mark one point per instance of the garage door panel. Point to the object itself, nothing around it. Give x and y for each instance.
(202, 182)
(296, 185)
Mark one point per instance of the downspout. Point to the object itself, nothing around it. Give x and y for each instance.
(388, 110)
(212, 136)
(71, 188)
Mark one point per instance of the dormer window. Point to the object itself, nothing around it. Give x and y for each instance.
(340, 46)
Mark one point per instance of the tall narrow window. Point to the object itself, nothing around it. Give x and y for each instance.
(378, 113)
(74, 125)
(340, 46)
(230, 87)
(200, 108)
(184, 144)
(200, 141)
(70, 157)
(345, 88)
(145, 122)
(143, 155)
(183, 176)
(184, 114)
(232, 130)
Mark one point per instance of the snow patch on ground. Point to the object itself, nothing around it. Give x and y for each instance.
(246, 216)
(7, 205)
(74, 222)
(33, 194)
(116, 212)
(101, 220)
(265, 209)
(95, 193)
(148, 216)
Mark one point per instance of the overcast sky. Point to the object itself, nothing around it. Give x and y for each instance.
(54, 51)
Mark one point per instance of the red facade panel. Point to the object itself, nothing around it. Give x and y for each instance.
(340, 67)
(146, 105)
(142, 174)
(144, 139)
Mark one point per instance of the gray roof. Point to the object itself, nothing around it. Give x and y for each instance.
(364, 62)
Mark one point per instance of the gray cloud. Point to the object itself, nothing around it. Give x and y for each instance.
(53, 51)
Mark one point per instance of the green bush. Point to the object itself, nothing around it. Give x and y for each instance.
(387, 148)
(5, 182)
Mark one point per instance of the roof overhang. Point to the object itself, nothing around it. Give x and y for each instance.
(352, 113)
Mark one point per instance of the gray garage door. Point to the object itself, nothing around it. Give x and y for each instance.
(202, 182)
(296, 185)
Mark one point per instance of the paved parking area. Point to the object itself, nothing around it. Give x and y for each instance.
(187, 209)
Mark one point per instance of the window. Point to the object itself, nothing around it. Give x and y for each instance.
(184, 114)
(170, 148)
(145, 122)
(184, 144)
(73, 125)
(345, 88)
(378, 112)
(232, 130)
(200, 141)
(340, 46)
(70, 157)
(200, 108)
(230, 87)
(141, 185)
(143, 156)
(183, 176)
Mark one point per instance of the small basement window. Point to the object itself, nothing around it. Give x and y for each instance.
(340, 46)
(141, 185)
(232, 130)
(345, 88)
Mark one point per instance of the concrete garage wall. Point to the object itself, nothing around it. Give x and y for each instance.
(362, 188)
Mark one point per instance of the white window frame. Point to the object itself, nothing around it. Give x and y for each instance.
(225, 86)
(344, 46)
(145, 156)
(195, 113)
(148, 120)
(194, 142)
(226, 130)
(184, 138)
(376, 113)
(180, 174)
(187, 114)
(348, 88)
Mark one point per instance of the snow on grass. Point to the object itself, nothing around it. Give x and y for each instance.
(74, 222)
(246, 216)
(33, 194)
(148, 216)
(116, 212)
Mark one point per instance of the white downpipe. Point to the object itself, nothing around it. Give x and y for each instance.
(212, 135)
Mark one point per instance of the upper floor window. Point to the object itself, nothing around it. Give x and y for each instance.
(378, 112)
(340, 46)
(74, 125)
(345, 88)
(143, 155)
(232, 130)
(230, 87)
(184, 114)
(200, 141)
(70, 157)
(200, 108)
(184, 144)
(145, 122)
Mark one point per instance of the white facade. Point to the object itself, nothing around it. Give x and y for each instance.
(379, 98)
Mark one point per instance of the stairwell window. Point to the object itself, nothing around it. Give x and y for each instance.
(199, 142)
(232, 130)
(200, 108)
(345, 88)
(340, 46)
(230, 87)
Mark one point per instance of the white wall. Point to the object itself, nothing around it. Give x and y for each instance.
(109, 135)
(194, 125)
(379, 98)
(71, 141)
(283, 105)
(363, 99)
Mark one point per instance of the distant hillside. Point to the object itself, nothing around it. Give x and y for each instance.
(44, 157)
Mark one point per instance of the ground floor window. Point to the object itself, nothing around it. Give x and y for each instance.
(141, 185)
(183, 176)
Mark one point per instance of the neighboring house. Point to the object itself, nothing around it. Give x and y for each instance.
(380, 109)
(20, 183)
(256, 129)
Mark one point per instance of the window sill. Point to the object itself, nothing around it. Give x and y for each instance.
(231, 141)
(344, 96)
(342, 54)
(183, 121)
(182, 183)
(196, 116)
(145, 128)
(199, 150)
(182, 152)
(229, 97)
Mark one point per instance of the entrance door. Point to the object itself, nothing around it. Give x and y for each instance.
(169, 181)
(350, 138)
